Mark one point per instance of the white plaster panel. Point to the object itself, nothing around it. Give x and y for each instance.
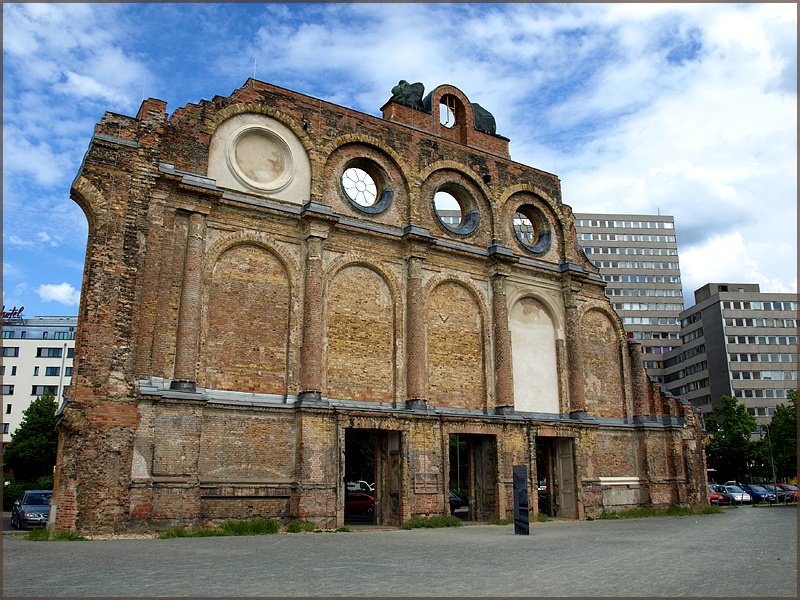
(261, 156)
(533, 345)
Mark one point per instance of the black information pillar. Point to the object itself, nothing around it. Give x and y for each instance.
(521, 522)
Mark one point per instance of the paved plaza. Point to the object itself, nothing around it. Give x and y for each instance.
(748, 551)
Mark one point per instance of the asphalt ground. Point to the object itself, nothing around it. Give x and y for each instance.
(746, 552)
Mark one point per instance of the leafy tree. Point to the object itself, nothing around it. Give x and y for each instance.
(730, 449)
(31, 454)
(783, 436)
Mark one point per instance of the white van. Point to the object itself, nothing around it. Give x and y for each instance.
(360, 486)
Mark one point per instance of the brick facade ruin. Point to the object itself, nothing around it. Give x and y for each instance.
(240, 313)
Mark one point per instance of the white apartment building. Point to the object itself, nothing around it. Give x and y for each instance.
(37, 358)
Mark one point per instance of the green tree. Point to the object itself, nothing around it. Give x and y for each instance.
(783, 438)
(31, 454)
(730, 449)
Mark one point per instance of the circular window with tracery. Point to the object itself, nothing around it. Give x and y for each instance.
(366, 186)
(359, 186)
(531, 228)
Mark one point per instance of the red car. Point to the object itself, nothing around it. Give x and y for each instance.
(360, 504)
(788, 487)
(718, 497)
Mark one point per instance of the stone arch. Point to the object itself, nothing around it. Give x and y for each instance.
(473, 196)
(360, 332)
(456, 345)
(388, 171)
(246, 318)
(605, 308)
(90, 200)
(357, 138)
(241, 108)
(530, 196)
(603, 371)
(534, 331)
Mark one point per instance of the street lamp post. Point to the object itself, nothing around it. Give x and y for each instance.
(771, 461)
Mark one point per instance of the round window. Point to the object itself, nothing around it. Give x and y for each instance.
(359, 187)
(448, 209)
(454, 213)
(366, 186)
(530, 228)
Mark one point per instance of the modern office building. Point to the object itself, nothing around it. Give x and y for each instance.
(736, 341)
(638, 258)
(37, 358)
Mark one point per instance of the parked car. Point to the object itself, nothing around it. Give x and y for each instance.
(782, 494)
(32, 510)
(360, 504)
(738, 494)
(720, 498)
(455, 502)
(759, 493)
(360, 486)
(788, 487)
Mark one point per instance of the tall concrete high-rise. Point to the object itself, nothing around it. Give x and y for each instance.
(638, 258)
(736, 341)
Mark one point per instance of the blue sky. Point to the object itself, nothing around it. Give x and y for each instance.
(690, 110)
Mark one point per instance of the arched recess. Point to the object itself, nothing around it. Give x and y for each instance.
(360, 335)
(246, 322)
(602, 365)
(260, 152)
(533, 343)
(455, 345)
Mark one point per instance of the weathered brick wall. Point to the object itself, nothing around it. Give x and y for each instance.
(247, 307)
(602, 366)
(455, 348)
(248, 293)
(360, 335)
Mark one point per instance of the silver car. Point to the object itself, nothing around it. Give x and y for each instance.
(32, 510)
(738, 494)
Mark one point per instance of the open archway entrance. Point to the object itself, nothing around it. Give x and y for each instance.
(473, 475)
(372, 476)
(556, 477)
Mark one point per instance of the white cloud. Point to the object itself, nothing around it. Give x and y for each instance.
(61, 292)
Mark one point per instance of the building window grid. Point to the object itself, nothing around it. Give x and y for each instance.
(642, 279)
(763, 357)
(754, 305)
(625, 224)
(631, 251)
(647, 306)
(644, 292)
(624, 264)
(625, 237)
(759, 322)
(765, 375)
(760, 393)
(781, 340)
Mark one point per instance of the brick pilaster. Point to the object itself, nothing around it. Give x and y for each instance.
(639, 379)
(416, 369)
(185, 373)
(577, 390)
(503, 366)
